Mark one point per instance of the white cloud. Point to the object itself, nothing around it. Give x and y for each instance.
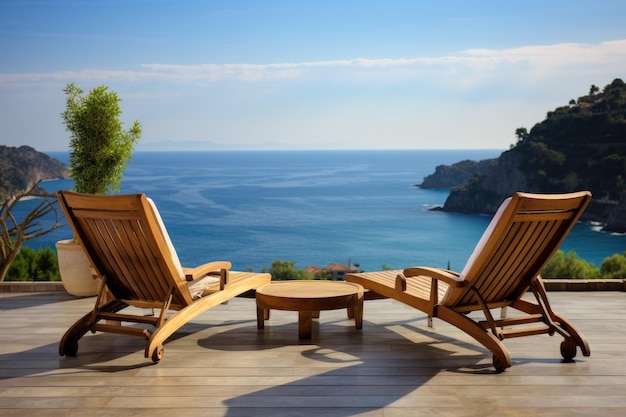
(607, 56)
(473, 98)
(465, 66)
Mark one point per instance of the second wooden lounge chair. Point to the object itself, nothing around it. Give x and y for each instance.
(130, 250)
(521, 238)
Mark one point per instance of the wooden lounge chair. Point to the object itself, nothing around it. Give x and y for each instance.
(130, 250)
(522, 237)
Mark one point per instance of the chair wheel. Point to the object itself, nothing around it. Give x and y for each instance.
(157, 355)
(500, 364)
(568, 349)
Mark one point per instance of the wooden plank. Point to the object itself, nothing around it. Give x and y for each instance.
(220, 365)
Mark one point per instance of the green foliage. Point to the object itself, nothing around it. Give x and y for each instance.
(284, 271)
(569, 266)
(614, 266)
(587, 139)
(20, 268)
(14, 232)
(577, 147)
(31, 265)
(46, 266)
(572, 267)
(21, 166)
(521, 133)
(100, 146)
(449, 176)
(323, 276)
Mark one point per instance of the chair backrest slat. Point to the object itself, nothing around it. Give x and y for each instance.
(515, 249)
(126, 246)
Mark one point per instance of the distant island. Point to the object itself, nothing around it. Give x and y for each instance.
(581, 146)
(23, 167)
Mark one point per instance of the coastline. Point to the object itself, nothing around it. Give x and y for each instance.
(314, 208)
(550, 284)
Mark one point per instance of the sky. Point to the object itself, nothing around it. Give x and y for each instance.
(319, 74)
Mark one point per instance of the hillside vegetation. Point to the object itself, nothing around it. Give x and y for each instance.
(580, 146)
(21, 168)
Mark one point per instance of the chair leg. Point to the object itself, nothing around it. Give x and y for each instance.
(501, 357)
(179, 319)
(68, 346)
(561, 324)
(575, 335)
(69, 342)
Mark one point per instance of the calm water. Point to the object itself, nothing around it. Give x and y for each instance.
(314, 208)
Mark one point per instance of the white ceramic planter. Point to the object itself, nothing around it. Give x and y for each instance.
(75, 269)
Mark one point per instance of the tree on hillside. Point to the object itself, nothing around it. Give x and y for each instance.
(14, 232)
(285, 271)
(521, 133)
(577, 147)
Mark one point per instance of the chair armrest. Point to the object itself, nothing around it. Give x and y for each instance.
(449, 277)
(205, 269)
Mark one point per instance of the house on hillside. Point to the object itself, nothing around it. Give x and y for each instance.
(313, 269)
(339, 271)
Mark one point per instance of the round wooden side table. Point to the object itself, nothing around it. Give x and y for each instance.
(308, 298)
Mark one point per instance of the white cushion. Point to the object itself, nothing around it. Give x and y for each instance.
(485, 237)
(168, 241)
(198, 285)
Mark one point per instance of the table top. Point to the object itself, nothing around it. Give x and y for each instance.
(309, 290)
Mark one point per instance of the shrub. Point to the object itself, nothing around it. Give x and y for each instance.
(284, 270)
(569, 266)
(46, 266)
(614, 266)
(31, 265)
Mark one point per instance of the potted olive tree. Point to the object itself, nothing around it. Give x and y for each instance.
(99, 151)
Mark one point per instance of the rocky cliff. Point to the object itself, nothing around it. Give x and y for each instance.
(450, 176)
(21, 168)
(581, 146)
(616, 221)
(485, 193)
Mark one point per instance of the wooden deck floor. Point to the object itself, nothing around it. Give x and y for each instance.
(221, 365)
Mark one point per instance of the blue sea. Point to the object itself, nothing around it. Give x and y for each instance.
(314, 208)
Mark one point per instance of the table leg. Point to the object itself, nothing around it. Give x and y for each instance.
(358, 313)
(261, 313)
(305, 324)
